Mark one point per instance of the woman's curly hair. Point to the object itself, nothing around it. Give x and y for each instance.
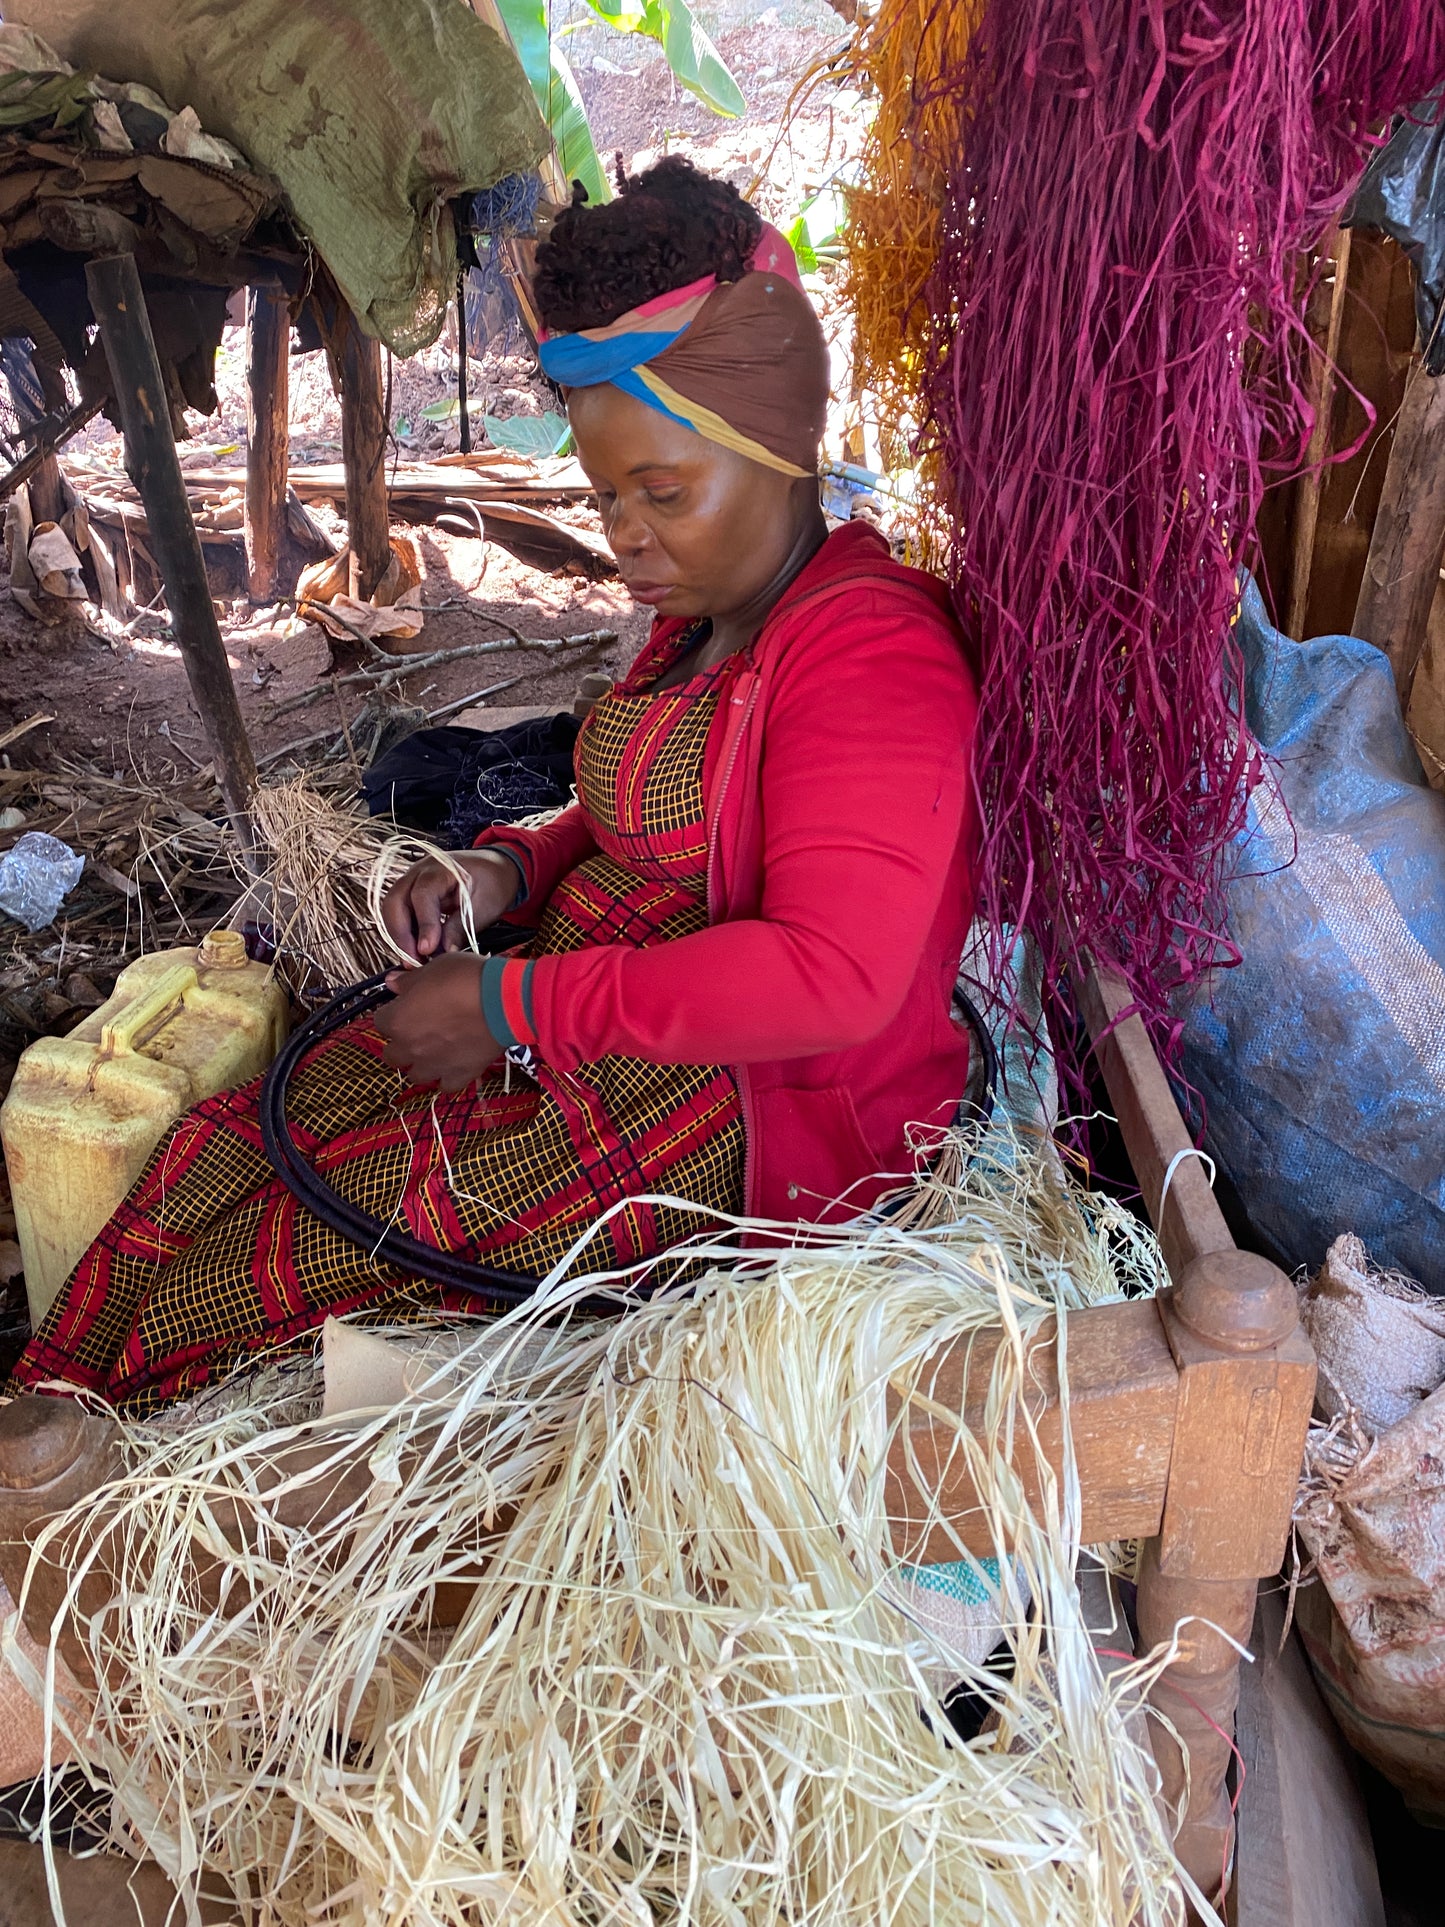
(668, 226)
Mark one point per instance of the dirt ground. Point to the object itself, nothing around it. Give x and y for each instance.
(124, 706)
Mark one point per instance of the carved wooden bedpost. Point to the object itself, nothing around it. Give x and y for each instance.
(1246, 1385)
(1246, 1377)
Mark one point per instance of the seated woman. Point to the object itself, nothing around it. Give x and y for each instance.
(747, 928)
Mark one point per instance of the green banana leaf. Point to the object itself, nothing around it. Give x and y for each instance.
(691, 55)
(534, 435)
(555, 91)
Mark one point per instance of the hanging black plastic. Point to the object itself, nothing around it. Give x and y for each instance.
(1402, 194)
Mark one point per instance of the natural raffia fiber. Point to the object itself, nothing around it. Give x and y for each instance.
(329, 870)
(1111, 334)
(907, 55)
(687, 1687)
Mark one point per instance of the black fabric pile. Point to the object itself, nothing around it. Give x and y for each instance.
(453, 783)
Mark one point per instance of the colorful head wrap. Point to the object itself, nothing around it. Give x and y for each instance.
(743, 363)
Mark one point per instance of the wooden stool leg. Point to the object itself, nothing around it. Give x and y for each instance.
(119, 307)
(1197, 1695)
(1246, 1384)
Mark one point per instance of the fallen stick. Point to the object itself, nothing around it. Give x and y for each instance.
(14, 734)
(398, 667)
(480, 695)
(306, 742)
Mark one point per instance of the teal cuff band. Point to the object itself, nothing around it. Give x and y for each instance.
(493, 1014)
(507, 1000)
(516, 863)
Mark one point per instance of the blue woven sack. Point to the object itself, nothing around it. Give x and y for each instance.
(1320, 1059)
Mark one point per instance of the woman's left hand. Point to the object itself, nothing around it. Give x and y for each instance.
(435, 1032)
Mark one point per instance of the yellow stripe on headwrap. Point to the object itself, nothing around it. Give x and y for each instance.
(713, 428)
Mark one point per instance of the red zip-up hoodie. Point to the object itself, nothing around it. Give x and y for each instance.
(842, 833)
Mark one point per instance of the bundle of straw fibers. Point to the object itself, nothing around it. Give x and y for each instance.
(328, 869)
(687, 1688)
(906, 54)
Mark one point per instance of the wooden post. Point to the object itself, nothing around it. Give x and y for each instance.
(150, 455)
(268, 394)
(47, 490)
(363, 455)
(464, 419)
(1402, 572)
(1307, 505)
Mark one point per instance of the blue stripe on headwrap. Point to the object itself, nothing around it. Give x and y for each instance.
(575, 362)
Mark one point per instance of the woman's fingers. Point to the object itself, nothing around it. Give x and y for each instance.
(417, 906)
(396, 915)
(434, 1028)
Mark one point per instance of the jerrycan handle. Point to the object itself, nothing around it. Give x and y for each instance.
(167, 991)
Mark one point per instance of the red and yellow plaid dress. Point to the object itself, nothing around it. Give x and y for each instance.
(210, 1258)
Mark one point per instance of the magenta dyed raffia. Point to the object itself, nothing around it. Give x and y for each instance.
(1118, 310)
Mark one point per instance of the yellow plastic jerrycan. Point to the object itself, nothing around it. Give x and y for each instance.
(85, 1111)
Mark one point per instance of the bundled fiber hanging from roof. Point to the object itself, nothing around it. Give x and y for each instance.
(1089, 219)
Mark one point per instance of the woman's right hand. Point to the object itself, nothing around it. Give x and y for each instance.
(422, 909)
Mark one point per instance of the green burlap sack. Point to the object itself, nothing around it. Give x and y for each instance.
(371, 115)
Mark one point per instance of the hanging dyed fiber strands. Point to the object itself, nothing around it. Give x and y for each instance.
(1111, 334)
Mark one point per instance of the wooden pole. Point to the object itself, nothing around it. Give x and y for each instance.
(151, 462)
(1402, 571)
(363, 455)
(1307, 507)
(268, 444)
(464, 419)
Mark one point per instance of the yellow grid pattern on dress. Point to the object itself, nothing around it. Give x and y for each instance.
(639, 768)
(485, 1186)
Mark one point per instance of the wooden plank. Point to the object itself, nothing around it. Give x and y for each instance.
(1407, 547)
(1122, 1392)
(467, 482)
(119, 307)
(268, 440)
(1153, 1130)
(1307, 501)
(1377, 342)
(1304, 1856)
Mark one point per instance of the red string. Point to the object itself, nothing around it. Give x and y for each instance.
(1108, 1652)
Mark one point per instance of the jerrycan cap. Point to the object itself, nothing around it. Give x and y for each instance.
(222, 950)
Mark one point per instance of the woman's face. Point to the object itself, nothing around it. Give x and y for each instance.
(697, 529)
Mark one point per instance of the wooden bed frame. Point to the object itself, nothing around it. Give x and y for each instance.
(1188, 1420)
